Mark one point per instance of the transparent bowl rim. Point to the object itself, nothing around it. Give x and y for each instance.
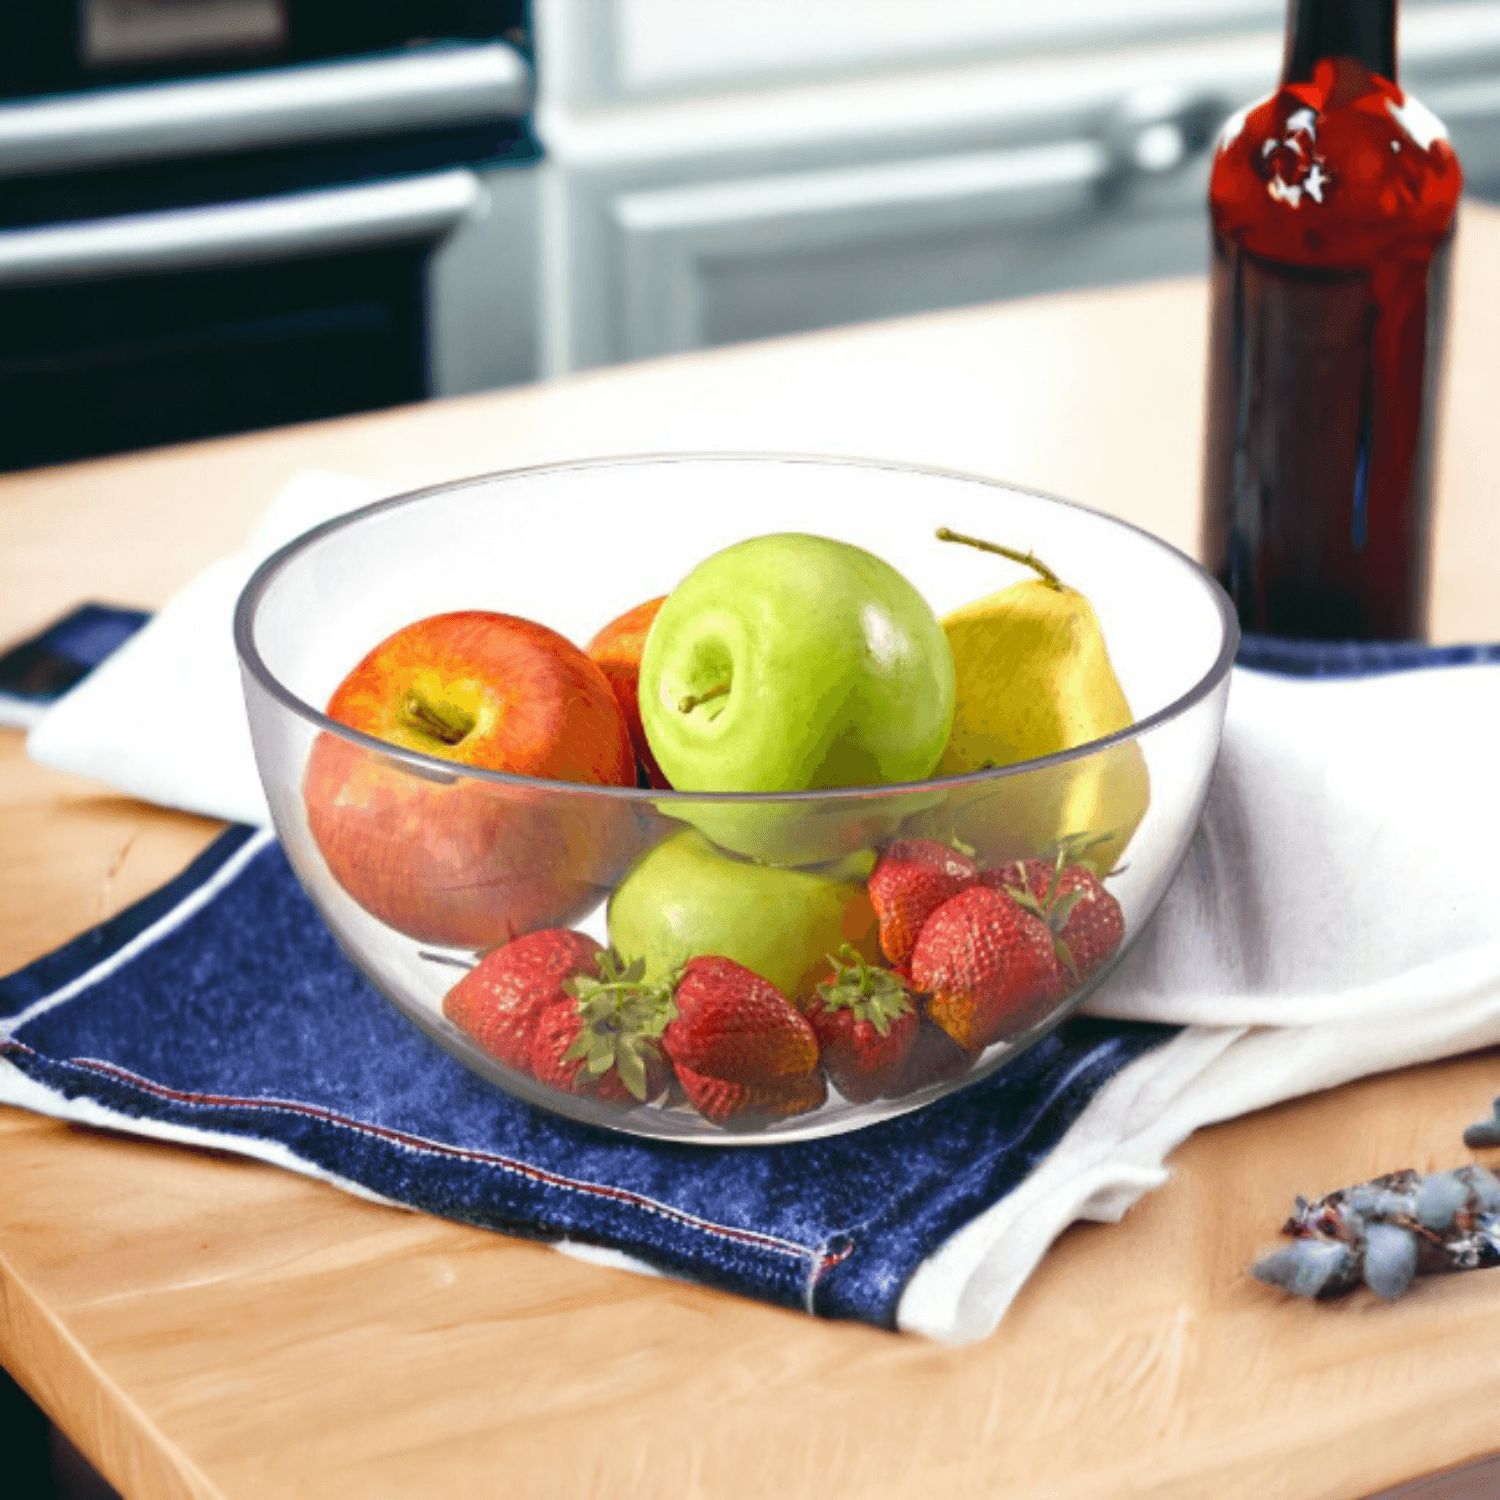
(252, 661)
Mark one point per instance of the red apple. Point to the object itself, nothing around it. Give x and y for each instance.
(458, 861)
(616, 650)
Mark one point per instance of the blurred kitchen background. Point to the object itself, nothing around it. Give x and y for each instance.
(217, 215)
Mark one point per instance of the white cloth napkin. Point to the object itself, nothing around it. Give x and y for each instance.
(1336, 915)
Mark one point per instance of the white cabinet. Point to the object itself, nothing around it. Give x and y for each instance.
(721, 170)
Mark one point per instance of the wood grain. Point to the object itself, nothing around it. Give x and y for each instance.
(75, 853)
(273, 1337)
(209, 1327)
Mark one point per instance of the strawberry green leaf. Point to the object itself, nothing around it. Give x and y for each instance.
(632, 1072)
(1060, 910)
(1025, 900)
(1071, 846)
(621, 1017)
(874, 995)
(1065, 956)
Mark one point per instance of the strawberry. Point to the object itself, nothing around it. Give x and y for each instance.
(934, 1058)
(498, 1002)
(750, 1104)
(911, 879)
(740, 1047)
(1086, 921)
(984, 961)
(602, 1037)
(865, 1023)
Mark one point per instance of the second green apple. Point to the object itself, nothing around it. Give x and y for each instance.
(685, 898)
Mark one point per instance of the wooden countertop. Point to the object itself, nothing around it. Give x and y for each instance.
(205, 1326)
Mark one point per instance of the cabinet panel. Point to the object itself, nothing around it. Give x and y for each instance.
(837, 179)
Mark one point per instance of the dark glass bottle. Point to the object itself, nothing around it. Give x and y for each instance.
(1332, 204)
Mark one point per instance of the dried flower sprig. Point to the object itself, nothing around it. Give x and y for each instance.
(1388, 1231)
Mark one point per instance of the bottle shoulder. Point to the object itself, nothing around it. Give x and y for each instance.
(1339, 171)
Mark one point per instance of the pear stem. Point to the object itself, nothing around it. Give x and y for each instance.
(1028, 559)
(688, 704)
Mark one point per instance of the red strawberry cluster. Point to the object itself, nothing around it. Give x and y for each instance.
(558, 1006)
(990, 950)
(975, 955)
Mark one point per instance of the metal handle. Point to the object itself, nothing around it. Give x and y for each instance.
(453, 85)
(282, 228)
(1156, 129)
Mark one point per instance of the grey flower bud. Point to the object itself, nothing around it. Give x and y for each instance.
(1390, 1260)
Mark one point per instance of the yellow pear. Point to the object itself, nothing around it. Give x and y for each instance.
(1034, 678)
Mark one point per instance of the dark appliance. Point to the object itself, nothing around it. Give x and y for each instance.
(218, 215)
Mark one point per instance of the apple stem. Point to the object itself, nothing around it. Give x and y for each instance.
(447, 725)
(1029, 559)
(688, 704)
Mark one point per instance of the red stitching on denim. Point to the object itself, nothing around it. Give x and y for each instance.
(828, 1262)
(436, 1148)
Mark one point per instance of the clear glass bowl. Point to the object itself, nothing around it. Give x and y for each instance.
(573, 546)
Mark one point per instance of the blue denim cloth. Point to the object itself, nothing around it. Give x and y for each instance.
(1291, 658)
(241, 1017)
(245, 1019)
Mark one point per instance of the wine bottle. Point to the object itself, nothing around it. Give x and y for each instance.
(1333, 204)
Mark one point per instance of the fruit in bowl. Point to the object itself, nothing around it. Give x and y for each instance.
(686, 899)
(442, 857)
(727, 1003)
(788, 663)
(813, 926)
(553, 1003)
(1035, 680)
(616, 650)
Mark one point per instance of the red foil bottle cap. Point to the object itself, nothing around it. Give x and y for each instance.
(1341, 171)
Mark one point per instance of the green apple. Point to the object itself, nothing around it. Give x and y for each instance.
(790, 662)
(793, 663)
(684, 899)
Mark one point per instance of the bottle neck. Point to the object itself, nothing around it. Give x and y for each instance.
(1362, 29)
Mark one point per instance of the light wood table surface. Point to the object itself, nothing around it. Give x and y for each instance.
(205, 1326)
